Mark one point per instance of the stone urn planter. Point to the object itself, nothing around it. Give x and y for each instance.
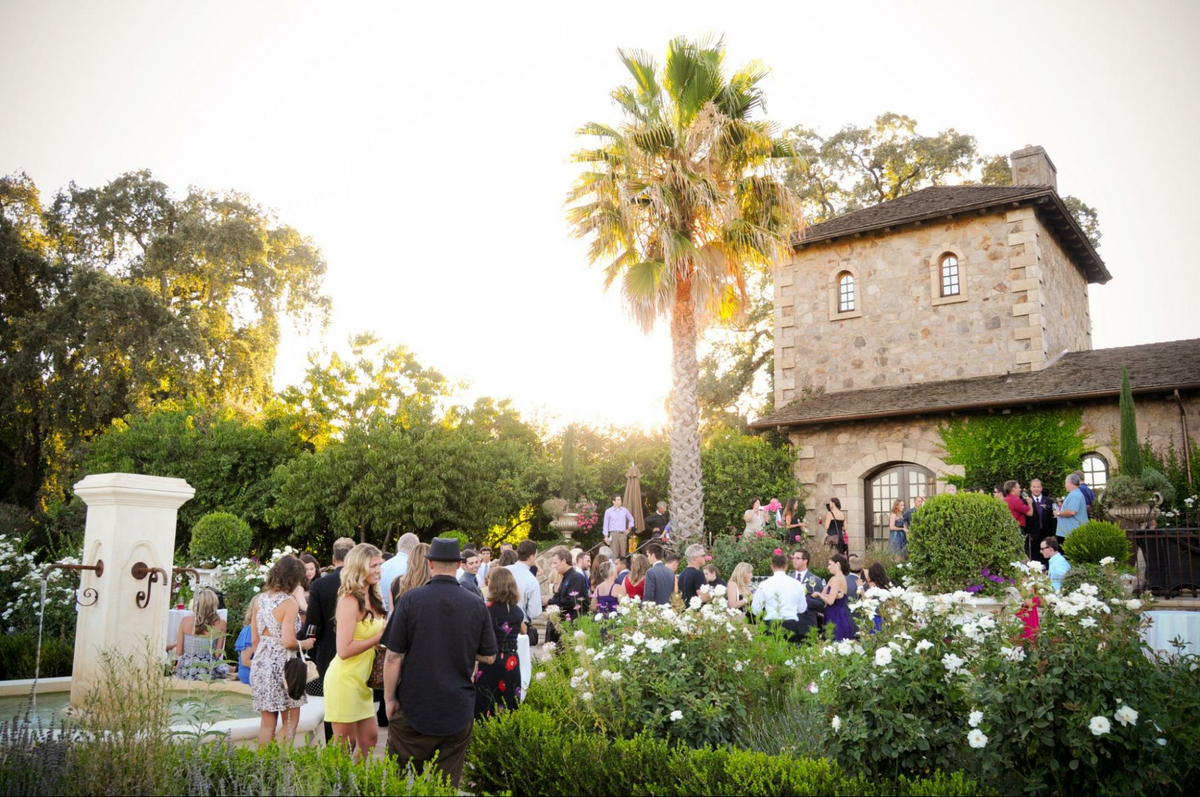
(1136, 516)
(566, 524)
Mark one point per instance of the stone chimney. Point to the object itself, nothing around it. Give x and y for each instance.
(1032, 166)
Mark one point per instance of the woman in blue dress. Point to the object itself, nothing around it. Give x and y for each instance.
(837, 615)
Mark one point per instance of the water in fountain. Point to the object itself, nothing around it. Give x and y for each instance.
(37, 662)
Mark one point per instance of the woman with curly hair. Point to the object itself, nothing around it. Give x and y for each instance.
(276, 623)
(359, 621)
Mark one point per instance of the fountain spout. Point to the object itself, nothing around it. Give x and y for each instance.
(156, 575)
(89, 593)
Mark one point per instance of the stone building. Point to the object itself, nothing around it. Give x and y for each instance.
(953, 300)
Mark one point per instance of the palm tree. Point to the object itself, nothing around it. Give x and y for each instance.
(680, 201)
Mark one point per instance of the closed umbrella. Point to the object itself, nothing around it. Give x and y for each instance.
(633, 498)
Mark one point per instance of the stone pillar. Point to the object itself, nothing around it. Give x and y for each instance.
(130, 519)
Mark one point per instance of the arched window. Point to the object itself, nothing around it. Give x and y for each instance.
(1095, 471)
(903, 480)
(845, 287)
(949, 275)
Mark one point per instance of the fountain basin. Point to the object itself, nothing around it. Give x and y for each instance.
(240, 722)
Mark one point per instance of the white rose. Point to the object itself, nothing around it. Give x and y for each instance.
(720, 591)
(1099, 726)
(1133, 604)
(1126, 716)
(952, 663)
(924, 645)
(1087, 622)
(975, 718)
(586, 696)
(813, 688)
(976, 739)
(883, 657)
(695, 602)
(1108, 560)
(836, 722)
(676, 715)
(1015, 654)
(580, 635)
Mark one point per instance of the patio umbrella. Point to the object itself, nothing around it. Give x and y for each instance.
(633, 497)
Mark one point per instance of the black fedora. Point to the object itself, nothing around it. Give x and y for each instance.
(443, 549)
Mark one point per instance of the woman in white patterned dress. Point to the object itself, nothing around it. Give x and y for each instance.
(276, 624)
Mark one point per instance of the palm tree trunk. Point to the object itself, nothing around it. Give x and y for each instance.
(687, 492)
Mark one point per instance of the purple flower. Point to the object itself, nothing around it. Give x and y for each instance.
(974, 588)
(506, 628)
(986, 572)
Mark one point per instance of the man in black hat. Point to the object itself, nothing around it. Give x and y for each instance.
(441, 630)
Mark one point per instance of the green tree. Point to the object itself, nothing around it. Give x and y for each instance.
(225, 267)
(739, 468)
(228, 456)
(679, 205)
(1131, 450)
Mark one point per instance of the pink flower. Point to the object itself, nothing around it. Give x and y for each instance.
(707, 558)
(778, 551)
(759, 533)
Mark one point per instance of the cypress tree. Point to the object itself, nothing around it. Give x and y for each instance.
(1131, 451)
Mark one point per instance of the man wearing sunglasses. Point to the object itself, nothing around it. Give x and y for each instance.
(1056, 564)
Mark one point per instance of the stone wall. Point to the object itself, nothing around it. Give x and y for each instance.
(837, 459)
(1020, 297)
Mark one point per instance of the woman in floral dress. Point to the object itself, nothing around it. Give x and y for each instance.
(276, 625)
(499, 684)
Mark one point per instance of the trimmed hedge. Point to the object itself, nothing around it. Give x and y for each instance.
(18, 656)
(953, 538)
(219, 536)
(528, 752)
(1095, 540)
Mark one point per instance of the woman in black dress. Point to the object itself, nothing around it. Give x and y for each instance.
(498, 685)
(793, 523)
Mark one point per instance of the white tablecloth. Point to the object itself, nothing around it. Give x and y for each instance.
(1171, 624)
(175, 617)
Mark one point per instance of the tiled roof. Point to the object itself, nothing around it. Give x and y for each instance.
(941, 201)
(1155, 367)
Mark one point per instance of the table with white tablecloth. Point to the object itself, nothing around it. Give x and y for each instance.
(175, 617)
(1170, 625)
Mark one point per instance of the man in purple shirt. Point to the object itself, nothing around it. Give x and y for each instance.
(617, 523)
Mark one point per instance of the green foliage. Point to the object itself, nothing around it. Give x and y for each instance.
(954, 538)
(531, 752)
(1126, 490)
(463, 540)
(729, 550)
(18, 656)
(218, 536)
(1172, 465)
(1131, 450)
(1105, 578)
(568, 464)
(1155, 482)
(227, 456)
(739, 468)
(1094, 541)
(992, 449)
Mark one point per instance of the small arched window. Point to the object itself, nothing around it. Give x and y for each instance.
(845, 287)
(1095, 471)
(949, 275)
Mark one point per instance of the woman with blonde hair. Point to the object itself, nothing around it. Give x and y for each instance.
(200, 641)
(359, 622)
(737, 592)
(635, 582)
(417, 574)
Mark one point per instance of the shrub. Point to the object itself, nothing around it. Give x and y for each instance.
(464, 541)
(529, 752)
(219, 536)
(730, 549)
(737, 469)
(1155, 482)
(1094, 541)
(1126, 490)
(954, 538)
(18, 656)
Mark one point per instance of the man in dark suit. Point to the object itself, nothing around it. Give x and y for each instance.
(571, 598)
(657, 521)
(1041, 524)
(660, 581)
(322, 608)
(812, 585)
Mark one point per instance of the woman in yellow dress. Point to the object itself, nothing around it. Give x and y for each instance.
(359, 621)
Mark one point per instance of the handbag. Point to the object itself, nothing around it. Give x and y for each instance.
(375, 678)
(295, 675)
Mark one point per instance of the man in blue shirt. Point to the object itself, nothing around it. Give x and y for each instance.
(1073, 513)
(1056, 564)
(396, 567)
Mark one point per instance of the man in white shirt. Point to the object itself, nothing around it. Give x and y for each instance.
(396, 567)
(780, 600)
(527, 585)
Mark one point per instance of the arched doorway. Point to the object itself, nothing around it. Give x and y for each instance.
(903, 480)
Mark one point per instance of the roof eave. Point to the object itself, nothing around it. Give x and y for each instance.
(975, 405)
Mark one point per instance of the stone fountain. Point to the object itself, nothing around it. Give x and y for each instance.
(131, 531)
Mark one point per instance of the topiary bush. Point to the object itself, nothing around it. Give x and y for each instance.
(464, 541)
(1094, 541)
(219, 536)
(954, 538)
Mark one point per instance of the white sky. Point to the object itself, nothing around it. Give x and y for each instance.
(425, 146)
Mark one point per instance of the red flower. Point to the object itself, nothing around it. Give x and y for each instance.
(511, 664)
(503, 688)
(759, 533)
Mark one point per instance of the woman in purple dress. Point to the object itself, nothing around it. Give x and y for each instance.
(838, 614)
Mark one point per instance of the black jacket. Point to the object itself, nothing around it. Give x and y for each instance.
(1042, 522)
(322, 609)
(572, 605)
